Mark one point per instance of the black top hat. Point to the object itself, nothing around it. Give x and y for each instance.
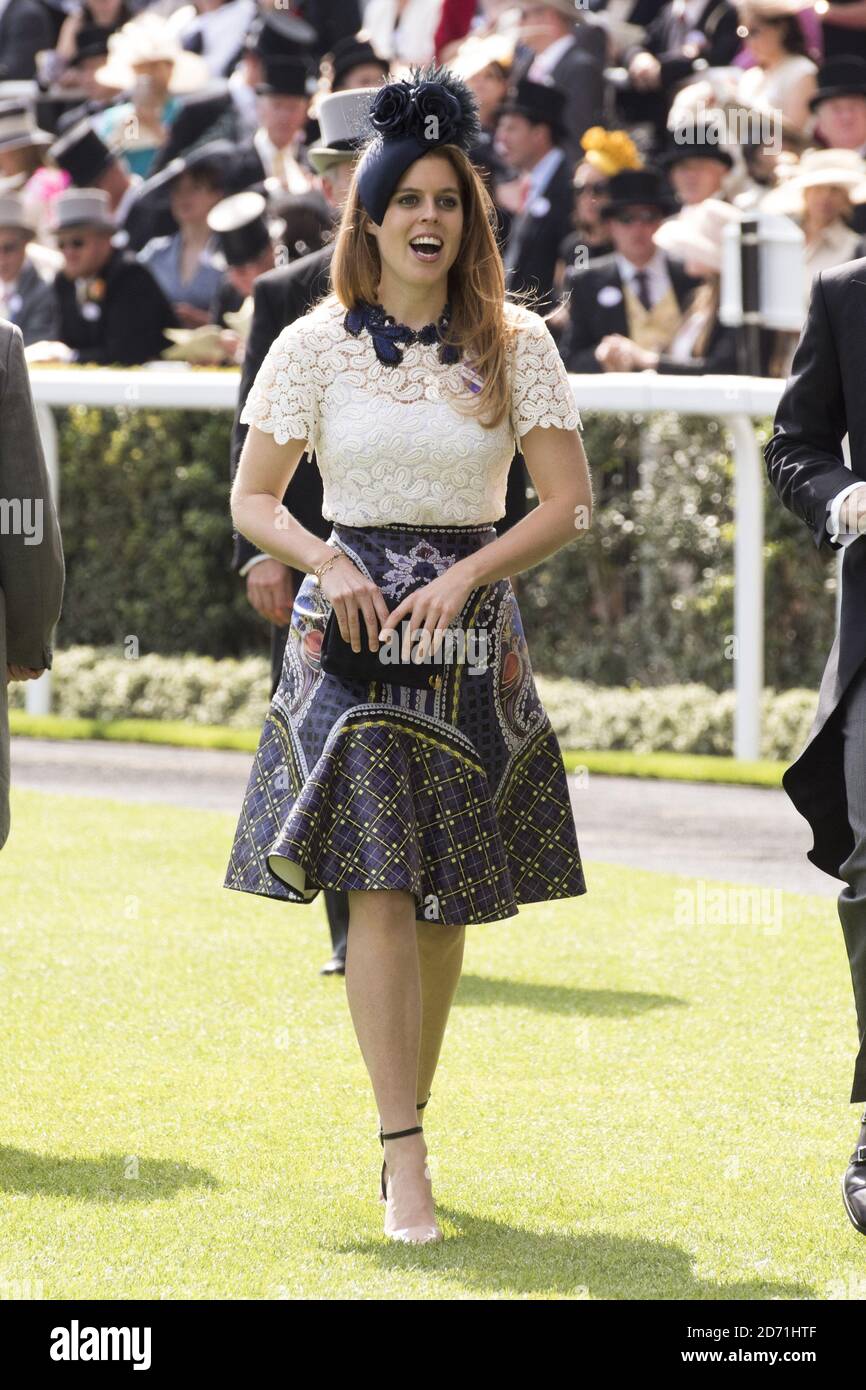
(240, 227)
(82, 153)
(840, 77)
(273, 33)
(700, 141)
(287, 76)
(632, 186)
(352, 52)
(411, 118)
(539, 102)
(90, 42)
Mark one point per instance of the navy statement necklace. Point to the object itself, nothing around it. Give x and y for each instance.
(387, 334)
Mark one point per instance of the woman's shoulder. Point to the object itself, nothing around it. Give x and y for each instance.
(526, 326)
(313, 331)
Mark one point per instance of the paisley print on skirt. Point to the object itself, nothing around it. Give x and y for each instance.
(456, 793)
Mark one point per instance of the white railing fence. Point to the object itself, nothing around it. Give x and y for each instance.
(733, 399)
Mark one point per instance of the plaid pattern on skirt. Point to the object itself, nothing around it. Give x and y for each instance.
(456, 793)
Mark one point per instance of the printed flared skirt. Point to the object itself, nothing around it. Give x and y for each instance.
(455, 793)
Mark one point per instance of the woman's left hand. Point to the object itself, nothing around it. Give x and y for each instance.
(430, 609)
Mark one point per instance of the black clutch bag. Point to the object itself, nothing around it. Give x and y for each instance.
(338, 659)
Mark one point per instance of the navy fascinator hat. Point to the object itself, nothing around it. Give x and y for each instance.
(411, 118)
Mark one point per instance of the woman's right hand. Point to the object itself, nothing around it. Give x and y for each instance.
(354, 596)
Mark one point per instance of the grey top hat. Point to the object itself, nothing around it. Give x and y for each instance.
(82, 207)
(344, 126)
(18, 127)
(14, 213)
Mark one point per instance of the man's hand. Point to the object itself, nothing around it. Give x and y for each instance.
(48, 352)
(23, 673)
(645, 72)
(270, 591)
(852, 513)
(616, 353)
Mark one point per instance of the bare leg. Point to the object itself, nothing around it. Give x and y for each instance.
(383, 988)
(440, 958)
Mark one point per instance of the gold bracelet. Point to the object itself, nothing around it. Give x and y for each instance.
(326, 564)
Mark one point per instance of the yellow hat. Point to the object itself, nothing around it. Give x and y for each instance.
(610, 151)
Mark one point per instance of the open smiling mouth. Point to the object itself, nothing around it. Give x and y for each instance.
(426, 248)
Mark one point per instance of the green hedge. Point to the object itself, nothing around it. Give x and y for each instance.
(91, 683)
(646, 596)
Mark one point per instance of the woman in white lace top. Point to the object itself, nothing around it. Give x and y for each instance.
(432, 790)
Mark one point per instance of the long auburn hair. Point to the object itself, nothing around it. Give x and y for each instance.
(476, 285)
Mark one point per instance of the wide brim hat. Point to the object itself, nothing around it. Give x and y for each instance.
(150, 38)
(344, 123)
(412, 118)
(633, 187)
(818, 168)
(81, 207)
(477, 52)
(840, 77)
(539, 102)
(696, 232)
(220, 155)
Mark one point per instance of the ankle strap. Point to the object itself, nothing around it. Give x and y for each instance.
(398, 1133)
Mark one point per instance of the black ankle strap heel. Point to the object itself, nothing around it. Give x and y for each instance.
(398, 1134)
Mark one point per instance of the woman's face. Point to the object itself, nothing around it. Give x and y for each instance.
(826, 202)
(426, 202)
(489, 87)
(589, 183)
(764, 39)
(192, 198)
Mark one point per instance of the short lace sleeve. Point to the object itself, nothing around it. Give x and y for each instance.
(282, 400)
(541, 393)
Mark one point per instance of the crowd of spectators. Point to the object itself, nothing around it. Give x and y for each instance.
(156, 159)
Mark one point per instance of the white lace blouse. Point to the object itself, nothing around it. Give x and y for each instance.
(389, 446)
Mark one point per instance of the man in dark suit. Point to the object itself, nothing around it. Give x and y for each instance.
(25, 30)
(685, 37)
(823, 400)
(112, 311)
(31, 552)
(529, 131)
(565, 46)
(637, 292)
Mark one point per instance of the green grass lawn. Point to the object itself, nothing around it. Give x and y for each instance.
(186, 1113)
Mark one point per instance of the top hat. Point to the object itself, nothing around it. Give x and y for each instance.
(82, 207)
(638, 186)
(840, 77)
(272, 34)
(344, 121)
(90, 42)
(14, 214)
(696, 141)
(82, 153)
(539, 102)
(18, 127)
(240, 226)
(412, 118)
(353, 52)
(696, 232)
(288, 76)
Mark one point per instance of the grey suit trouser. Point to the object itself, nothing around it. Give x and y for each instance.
(852, 899)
